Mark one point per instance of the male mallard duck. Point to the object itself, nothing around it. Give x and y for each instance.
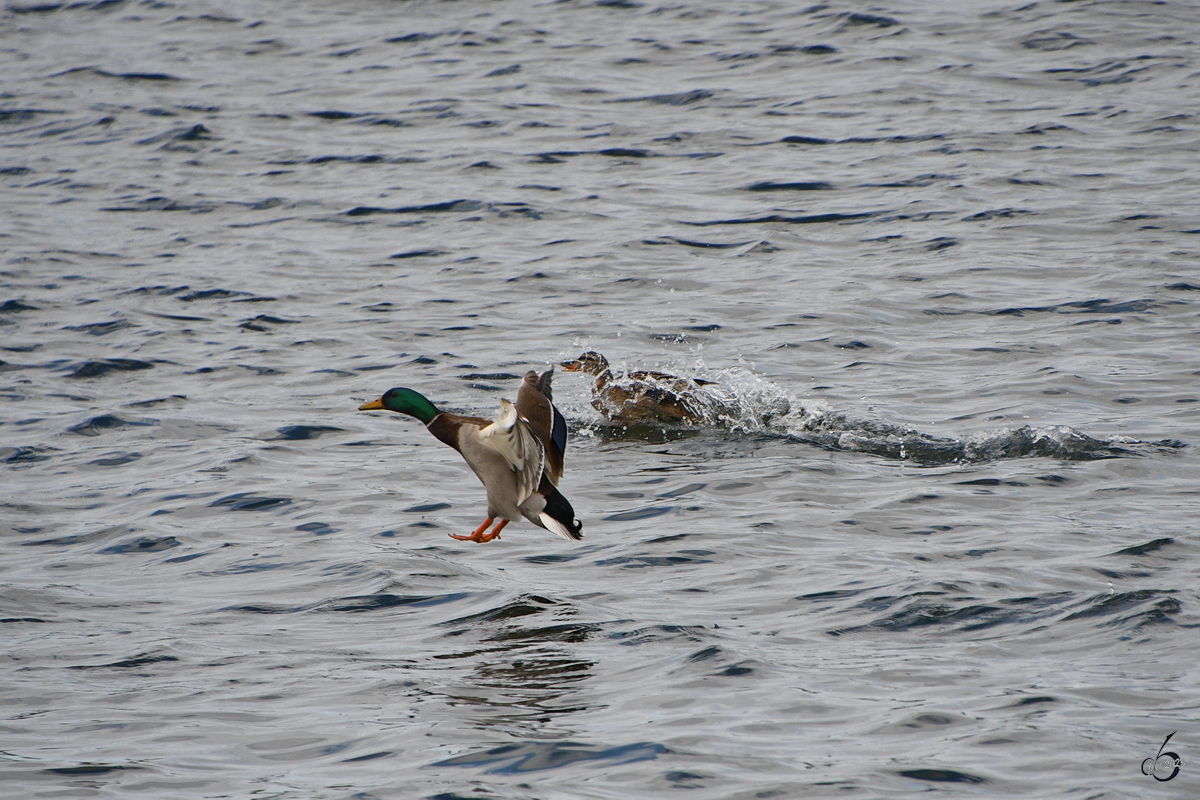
(641, 396)
(518, 456)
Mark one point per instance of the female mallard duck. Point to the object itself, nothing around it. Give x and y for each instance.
(641, 396)
(518, 456)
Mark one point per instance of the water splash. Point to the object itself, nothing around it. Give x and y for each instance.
(837, 431)
(740, 401)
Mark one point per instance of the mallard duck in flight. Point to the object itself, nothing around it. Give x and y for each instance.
(641, 396)
(518, 456)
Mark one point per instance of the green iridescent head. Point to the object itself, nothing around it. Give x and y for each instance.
(404, 401)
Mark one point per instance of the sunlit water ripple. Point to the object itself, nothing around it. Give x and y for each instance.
(931, 534)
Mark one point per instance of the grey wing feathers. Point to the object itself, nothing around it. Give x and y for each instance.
(542, 383)
(514, 440)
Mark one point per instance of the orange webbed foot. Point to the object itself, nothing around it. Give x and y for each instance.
(478, 534)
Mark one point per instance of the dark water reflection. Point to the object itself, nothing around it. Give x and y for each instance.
(535, 756)
(522, 676)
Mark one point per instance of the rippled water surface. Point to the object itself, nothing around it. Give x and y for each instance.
(933, 534)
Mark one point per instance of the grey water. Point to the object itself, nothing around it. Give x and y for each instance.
(935, 534)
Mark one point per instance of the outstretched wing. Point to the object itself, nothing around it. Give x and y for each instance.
(534, 405)
(513, 440)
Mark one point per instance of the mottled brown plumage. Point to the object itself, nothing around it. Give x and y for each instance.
(640, 397)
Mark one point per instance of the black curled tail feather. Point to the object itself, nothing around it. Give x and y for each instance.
(559, 509)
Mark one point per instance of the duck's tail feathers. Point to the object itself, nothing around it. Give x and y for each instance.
(558, 517)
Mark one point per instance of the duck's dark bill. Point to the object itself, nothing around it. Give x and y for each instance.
(572, 366)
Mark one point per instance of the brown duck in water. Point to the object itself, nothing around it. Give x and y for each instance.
(643, 396)
(518, 456)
